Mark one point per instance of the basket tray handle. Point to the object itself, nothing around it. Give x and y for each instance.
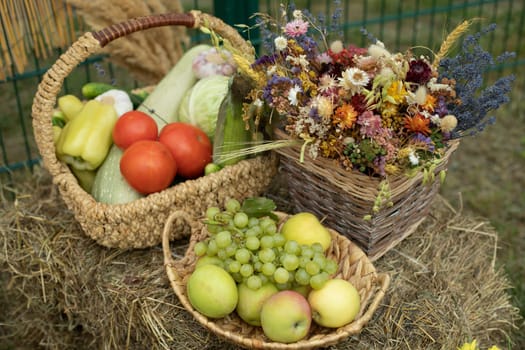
(197, 234)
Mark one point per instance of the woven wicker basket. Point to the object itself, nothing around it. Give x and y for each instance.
(139, 224)
(354, 266)
(344, 198)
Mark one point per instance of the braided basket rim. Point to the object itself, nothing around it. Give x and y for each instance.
(355, 267)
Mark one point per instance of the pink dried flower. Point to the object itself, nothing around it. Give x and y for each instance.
(296, 28)
(370, 124)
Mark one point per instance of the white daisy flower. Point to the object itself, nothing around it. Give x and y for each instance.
(326, 83)
(292, 95)
(258, 102)
(280, 43)
(297, 14)
(353, 78)
(301, 60)
(413, 158)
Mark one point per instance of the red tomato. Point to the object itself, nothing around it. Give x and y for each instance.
(134, 126)
(148, 166)
(190, 146)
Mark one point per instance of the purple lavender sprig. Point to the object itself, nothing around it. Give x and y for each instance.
(467, 69)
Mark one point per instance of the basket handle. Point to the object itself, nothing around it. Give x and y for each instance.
(195, 236)
(192, 19)
(90, 43)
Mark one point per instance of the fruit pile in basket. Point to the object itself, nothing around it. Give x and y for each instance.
(271, 274)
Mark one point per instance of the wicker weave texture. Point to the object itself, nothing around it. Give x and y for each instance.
(344, 198)
(139, 224)
(354, 266)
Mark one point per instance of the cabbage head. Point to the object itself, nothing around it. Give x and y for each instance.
(200, 105)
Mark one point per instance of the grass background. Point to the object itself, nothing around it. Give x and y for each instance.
(486, 176)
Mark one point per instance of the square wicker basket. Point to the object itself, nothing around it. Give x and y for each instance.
(354, 266)
(343, 198)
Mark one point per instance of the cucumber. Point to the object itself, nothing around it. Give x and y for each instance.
(109, 185)
(93, 89)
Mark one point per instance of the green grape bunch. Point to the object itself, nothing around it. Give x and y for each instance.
(245, 238)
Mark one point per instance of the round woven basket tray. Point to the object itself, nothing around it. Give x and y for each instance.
(343, 198)
(354, 266)
(138, 224)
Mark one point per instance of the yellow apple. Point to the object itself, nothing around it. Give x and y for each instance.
(251, 301)
(212, 291)
(335, 304)
(286, 317)
(305, 228)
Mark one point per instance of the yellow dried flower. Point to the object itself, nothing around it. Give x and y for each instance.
(404, 152)
(469, 346)
(327, 147)
(308, 85)
(390, 116)
(430, 103)
(392, 169)
(397, 91)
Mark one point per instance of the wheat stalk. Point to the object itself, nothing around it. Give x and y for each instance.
(147, 54)
(451, 40)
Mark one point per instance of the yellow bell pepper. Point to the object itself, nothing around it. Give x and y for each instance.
(85, 140)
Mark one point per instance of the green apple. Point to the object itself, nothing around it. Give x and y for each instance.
(212, 291)
(286, 317)
(305, 228)
(204, 260)
(251, 301)
(336, 304)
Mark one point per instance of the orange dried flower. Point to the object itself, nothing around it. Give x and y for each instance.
(345, 116)
(430, 103)
(417, 123)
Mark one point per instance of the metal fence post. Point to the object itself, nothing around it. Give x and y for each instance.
(238, 12)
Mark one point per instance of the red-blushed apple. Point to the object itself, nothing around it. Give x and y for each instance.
(286, 317)
(335, 304)
(212, 291)
(251, 301)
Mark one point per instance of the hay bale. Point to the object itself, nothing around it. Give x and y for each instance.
(61, 290)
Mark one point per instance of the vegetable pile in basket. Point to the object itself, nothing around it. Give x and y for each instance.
(123, 145)
(274, 276)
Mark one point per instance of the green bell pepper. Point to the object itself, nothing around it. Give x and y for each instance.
(85, 140)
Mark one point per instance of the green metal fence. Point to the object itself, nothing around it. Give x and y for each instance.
(400, 24)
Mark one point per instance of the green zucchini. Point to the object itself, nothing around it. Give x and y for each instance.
(163, 102)
(109, 185)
